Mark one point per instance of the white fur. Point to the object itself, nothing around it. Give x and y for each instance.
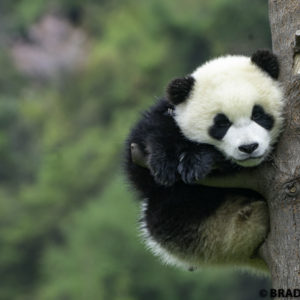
(232, 85)
(155, 247)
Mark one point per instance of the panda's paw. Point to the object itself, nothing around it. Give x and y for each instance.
(164, 171)
(193, 167)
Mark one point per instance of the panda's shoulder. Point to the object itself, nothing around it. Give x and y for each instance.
(160, 108)
(160, 114)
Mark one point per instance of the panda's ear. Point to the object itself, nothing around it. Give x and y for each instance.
(179, 89)
(267, 61)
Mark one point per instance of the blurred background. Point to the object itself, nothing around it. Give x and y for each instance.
(74, 76)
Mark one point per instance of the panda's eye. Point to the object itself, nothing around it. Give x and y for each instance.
(257, 113)
(220, 127)
(256, 116)
(262, 118)
(222, 121)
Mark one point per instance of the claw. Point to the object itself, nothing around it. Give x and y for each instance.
(181, 157)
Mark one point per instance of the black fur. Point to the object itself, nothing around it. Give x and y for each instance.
(220, 126)
(196, 164)
(170, 154)
(179, 89)
(174, 209)
(262, 118)
(267, 61)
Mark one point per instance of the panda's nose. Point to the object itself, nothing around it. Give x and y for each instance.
(248, 148)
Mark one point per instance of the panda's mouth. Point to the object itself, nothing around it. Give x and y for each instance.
(250, 161)
(250, 158)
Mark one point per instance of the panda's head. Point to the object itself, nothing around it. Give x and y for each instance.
(234, 103)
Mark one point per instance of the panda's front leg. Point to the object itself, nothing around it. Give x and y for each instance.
(163, 162)
(195, 163)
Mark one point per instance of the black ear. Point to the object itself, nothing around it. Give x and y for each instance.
(179, 89)
(267, 61)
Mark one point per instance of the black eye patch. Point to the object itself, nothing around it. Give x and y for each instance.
(220, 127)
(262, 118)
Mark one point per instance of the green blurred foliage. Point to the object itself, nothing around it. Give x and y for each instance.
(68, 222)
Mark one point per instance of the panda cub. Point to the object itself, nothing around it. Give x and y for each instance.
(224, 116)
